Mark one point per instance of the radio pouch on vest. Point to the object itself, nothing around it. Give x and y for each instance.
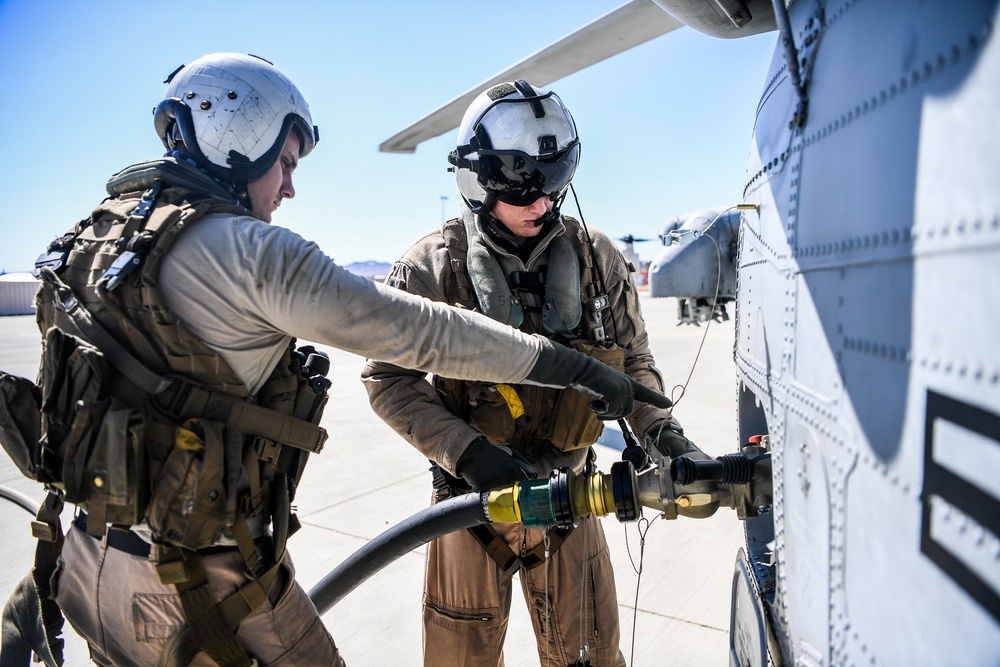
(90, 444)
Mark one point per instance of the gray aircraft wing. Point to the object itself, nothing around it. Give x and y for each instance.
(631, 24)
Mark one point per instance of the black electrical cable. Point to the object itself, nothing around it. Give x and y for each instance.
(439, 519)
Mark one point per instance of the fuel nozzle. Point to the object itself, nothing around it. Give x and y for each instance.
(727, 469)
(675, 487)
(697, 488)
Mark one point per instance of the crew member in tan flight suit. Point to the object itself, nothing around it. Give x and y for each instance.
(178, 409)
(515, 258)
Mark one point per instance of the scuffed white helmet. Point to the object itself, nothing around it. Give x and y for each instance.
(233, 113)
(515, 144)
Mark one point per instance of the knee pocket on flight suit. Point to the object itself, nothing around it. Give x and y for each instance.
(602, 615)
(454, 635)
(452, 614)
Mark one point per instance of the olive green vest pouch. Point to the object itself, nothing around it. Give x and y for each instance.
(576, 426)
(491, 413)
(91, 445)
(479, 403)
(194, 498)
(20, 419)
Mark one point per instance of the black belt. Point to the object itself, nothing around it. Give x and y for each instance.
(119, 540)
(129, 542)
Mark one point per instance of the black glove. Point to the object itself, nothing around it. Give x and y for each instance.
(486, 466)
(671, 441)
(637, 456)
(614, 392)
(668, 437)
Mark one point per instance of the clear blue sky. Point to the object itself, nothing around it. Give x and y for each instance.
(665, 127)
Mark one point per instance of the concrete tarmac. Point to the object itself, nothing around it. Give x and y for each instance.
(368, 479)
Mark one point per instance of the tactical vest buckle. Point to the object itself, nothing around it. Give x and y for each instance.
(182, 387)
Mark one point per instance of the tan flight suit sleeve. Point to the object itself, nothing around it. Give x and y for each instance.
(628, 328)
(405, 399)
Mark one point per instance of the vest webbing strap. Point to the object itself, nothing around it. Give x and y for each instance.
(458, 251)
(191, 400)
(205, 620)
(166, 222)
(184, 398)
(210, 626)
(505, 557)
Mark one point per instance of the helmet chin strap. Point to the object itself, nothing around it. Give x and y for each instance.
(240, 166)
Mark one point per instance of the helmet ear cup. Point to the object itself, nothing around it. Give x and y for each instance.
(172, 119)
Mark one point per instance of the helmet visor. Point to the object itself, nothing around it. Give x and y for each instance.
(518, 179)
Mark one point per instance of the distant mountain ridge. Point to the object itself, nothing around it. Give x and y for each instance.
(371, 269)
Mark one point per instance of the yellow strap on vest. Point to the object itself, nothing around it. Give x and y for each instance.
(512, 400)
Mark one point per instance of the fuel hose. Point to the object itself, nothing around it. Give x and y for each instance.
(439, 519)
(19, 499)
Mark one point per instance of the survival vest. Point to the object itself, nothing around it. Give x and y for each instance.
(136, 419)
(529, 417)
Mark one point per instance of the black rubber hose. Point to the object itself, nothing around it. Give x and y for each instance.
(437, 520)
(19, 498)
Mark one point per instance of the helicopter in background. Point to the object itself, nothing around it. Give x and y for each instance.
(698, 264)
(639, 267)
(867, 305)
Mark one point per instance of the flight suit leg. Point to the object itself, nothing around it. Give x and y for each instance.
(582, 607)
(466, 604)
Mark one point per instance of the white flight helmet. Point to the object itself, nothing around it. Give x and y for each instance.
(515, 144)
(233, 113)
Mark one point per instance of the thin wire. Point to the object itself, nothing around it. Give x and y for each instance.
(548, 629)
(643, 527)
(593, 257)
(584, 647)
(628, 549)
(718, 288)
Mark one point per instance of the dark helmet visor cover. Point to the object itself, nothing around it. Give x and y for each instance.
(518, 179)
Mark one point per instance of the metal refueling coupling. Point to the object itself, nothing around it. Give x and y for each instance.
(623, 485)
(564, 498)
(502, 505)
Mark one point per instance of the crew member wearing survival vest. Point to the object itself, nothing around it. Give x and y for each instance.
(177, 411)
(515, 258)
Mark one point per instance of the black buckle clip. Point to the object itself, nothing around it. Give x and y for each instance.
(53, 259)
(145, 204)
(123, 267)
(182, 387)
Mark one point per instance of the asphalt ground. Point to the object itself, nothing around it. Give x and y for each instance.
(368, 479)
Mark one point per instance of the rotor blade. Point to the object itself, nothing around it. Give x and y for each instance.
(633, 23)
